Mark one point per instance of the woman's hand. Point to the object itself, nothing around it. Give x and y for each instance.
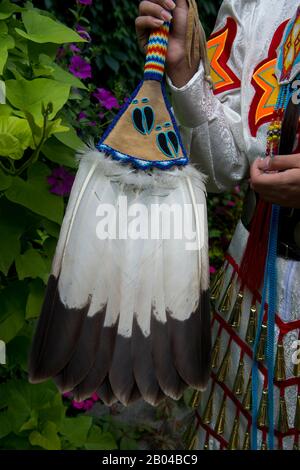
(152, 14)
(281, 187)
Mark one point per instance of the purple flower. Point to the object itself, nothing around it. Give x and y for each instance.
(88, 404)
(81, 116)
(106, 98)
(83, 33)
(101, 116)
(78, 405)
(95, 397)
(80, 67)
(230, 204)
(212, 270)
(74, 48)
(85, 2)
(61, 181)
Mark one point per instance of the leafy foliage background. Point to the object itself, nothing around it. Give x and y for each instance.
(48, 112)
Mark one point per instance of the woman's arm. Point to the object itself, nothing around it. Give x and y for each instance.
(211, 125)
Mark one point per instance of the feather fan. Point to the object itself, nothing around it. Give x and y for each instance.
(128, 316)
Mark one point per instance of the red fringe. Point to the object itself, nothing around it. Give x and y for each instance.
(253, 264)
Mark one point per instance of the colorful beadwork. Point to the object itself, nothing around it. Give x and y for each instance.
(274, 131)
(157, 53)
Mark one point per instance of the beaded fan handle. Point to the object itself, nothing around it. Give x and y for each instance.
(157, 53)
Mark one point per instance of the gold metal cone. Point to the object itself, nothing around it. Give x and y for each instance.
(283, 423)
(190, 432)
(217, 286)
(297, 415)
(208, 412)
(226, 301)
(215, 355)
(206, 444)
(224, 367)
(297, 370)
(262, 343)
(264, 446)
(238, 387)
(220, 424)
(251, 329)
(262, 419)
(192, 443)
(247, 401)
(195, 400)
(246, 444)
(234, 441)
(236, 314)
(280, 363)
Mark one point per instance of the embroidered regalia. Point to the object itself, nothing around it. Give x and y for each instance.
(253, 399)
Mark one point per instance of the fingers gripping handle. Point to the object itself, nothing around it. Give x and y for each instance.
(157, 52)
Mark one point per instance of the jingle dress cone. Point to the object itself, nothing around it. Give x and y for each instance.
(254, 53)
(124, 316)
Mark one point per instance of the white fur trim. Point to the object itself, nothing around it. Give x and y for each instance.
(142, 179)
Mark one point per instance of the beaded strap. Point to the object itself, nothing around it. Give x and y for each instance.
(157, 53)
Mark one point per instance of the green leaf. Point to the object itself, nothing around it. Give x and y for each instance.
(55, 127)
(75, 430)
(17, 352)
(98, 440)
(15, 137)
(3, 28)
(128, 444)
(7, 9)
(112, 63)
(24, 401)
(42, 29)
(5, 109)
(5, 181)
(34, 51)
(13, 442)
(32, 264)
(71, 139)
(18, 408)
(29, 95)
(42, 70)
(6, 43)
(35, 299)
(13, 221)
(59, 153)
(34, 193)
(59, 74)
(12, 310)
(47, 438)
(32, 422)
(5, 424)
(54, 411)
(2, 95)
(51, 228)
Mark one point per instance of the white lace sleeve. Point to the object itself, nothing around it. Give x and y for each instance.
(211, 124)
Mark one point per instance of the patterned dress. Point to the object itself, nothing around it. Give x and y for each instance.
(225, 131)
